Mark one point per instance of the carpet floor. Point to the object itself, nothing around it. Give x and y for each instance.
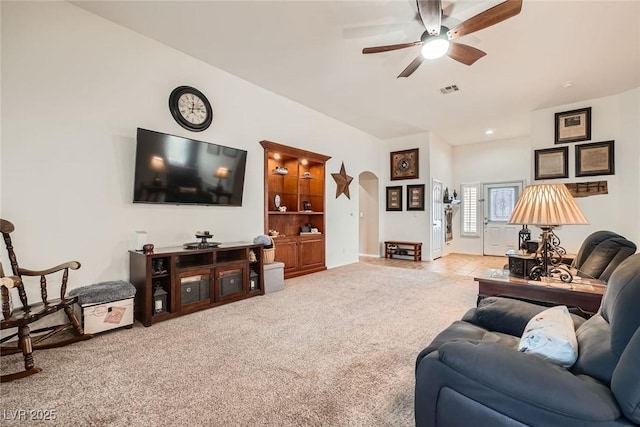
(335, 348)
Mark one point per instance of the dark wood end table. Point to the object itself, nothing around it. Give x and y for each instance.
(586, 295)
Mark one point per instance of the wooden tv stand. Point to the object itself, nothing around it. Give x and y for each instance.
(195, 279)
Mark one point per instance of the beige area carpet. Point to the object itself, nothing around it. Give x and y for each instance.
(335, 348)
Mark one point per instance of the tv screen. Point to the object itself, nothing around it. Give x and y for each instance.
(176, 170)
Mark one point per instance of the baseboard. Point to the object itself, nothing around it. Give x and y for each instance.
(330, 267)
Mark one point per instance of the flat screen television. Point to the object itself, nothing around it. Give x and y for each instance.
(180, 171)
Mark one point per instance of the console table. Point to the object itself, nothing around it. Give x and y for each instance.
(413, 249)
(586, 295)
(194, 279)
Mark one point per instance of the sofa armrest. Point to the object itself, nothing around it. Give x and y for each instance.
(507, 375)
(507, 315)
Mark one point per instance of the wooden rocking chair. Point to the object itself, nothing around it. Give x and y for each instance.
(24, 316)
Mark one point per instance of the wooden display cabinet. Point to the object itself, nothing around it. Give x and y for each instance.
(194, 279)
(295, 179)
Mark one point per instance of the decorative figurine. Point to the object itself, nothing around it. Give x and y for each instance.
(158, 267)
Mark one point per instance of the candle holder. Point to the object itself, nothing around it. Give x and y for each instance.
(159, 299)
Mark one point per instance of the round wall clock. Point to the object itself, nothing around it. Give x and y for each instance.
(190, 108)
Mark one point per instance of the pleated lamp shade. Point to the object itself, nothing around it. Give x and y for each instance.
(547, 204)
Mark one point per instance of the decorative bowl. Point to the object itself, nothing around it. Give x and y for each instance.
(281, 170)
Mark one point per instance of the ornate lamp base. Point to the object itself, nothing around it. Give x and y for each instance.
(549, 257)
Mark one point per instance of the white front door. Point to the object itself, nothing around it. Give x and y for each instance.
(499, 201)
(436, 213)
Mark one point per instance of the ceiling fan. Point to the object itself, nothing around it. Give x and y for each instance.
(435, 41)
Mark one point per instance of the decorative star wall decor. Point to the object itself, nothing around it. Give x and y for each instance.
(342, 181)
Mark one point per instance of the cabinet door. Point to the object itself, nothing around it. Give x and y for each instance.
(287, 252)
(230, 281)
(193, 287)
(311, 252)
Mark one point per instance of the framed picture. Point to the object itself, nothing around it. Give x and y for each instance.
(394, 198)
(573, 126)
(552, 163)
(415, 197)
(596, 158)
(404, 164)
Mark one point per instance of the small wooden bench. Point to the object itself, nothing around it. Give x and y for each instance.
(414, 249)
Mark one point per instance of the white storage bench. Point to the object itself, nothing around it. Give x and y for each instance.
(105, 306)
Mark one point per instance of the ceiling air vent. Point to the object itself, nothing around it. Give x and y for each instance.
(449, 89)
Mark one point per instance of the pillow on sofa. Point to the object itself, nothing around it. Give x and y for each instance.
(551, 336)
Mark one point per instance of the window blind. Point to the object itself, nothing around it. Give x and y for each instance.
(469, 210)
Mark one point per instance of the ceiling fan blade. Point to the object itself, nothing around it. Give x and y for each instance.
(412, 67)
(486, 19)
(464, 53)
(387, 48)
(431, 14)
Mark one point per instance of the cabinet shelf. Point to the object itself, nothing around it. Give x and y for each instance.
(293, 175)
(295, 213)
(161, 316)
(283, 193)
(303, 186)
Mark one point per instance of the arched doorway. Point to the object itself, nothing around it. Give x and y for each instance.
(369, 208)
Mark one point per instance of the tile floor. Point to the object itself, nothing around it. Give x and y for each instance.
(467, 265)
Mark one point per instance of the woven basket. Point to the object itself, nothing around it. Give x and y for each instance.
(270, 254)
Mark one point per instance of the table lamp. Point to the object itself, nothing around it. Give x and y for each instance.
(547, 206)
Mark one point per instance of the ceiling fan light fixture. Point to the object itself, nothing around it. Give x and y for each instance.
(435, 47)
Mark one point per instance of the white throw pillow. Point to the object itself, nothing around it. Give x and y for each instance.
(551, 336)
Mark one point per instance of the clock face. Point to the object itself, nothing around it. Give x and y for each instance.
(190, 108)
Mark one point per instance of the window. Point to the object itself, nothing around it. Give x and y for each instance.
(469, 215)
(502, 200)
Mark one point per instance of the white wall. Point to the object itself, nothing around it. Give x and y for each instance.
(369, 218)
(412, 226)
(441, 168)
(1, 68)
(486, 162)
(435, 162)
(74, 89)
(612, 118)
(616, 118)
(630, 132)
